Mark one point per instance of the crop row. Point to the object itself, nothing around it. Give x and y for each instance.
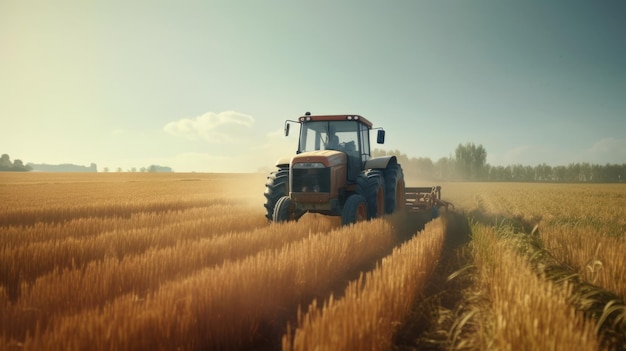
(230, 306)
(583, 226)
(101, 279)
(572, 239)
(375, 305)
(518, 309)
(77, 249)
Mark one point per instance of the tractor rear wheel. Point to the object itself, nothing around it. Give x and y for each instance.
(277, 186)
(394, 188)
(354, 210)
(371, 186)
(282, 211)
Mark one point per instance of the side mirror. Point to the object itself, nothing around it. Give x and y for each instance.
(286, 129)
(380, 138)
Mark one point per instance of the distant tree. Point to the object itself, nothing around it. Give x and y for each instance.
(64, 167)
(560, 173)
(544, 173)
(614, 172)
(585, 172)
(5, 162)
(521, 173)
(471, 161)
(445, 168)
(499, 173)
(16, 166)
(160, 169)
(573, 172)
(105, 170)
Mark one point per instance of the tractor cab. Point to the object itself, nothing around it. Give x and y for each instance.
(348, 134)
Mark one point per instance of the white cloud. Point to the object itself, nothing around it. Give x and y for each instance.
(277, 146)
(226, 127)
(607, 150)
(235, 143)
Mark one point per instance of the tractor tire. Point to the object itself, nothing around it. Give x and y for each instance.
(354, 210)
(282, 210)
(371, 186)
(394, 188)
(277, 186)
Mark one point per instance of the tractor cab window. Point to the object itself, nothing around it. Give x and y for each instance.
(330, 135)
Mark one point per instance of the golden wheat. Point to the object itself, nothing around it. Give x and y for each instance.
(102, 280)
(582, 225)
(188, 261)
(373, 306)
(227, 306)
(523, 311)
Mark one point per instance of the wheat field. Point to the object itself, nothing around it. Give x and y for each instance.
(130, 261)
(570, 236)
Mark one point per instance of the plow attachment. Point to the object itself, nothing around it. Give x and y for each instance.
(421, 199)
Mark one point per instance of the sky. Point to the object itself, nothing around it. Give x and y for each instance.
(206, 86)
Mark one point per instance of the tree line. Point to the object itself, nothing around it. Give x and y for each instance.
(6, 165)
(150, 169)
(469, 163)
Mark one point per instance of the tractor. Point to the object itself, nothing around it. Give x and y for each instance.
(333, 173)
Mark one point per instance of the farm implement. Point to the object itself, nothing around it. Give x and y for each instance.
(422, 199)
(333, 173)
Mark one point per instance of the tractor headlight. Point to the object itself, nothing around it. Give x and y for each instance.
(308, 165)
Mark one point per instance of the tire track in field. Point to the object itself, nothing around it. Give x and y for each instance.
(434, 312)
(443, 317)
(602, 307)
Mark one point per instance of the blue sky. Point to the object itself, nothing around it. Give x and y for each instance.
(206, 85)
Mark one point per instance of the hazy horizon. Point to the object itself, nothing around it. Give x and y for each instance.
(207, 87)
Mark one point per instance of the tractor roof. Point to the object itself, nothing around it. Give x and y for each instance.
(361, 119)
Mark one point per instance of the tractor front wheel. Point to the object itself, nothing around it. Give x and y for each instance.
(277, 186)
(282, 211)
(354, 210)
